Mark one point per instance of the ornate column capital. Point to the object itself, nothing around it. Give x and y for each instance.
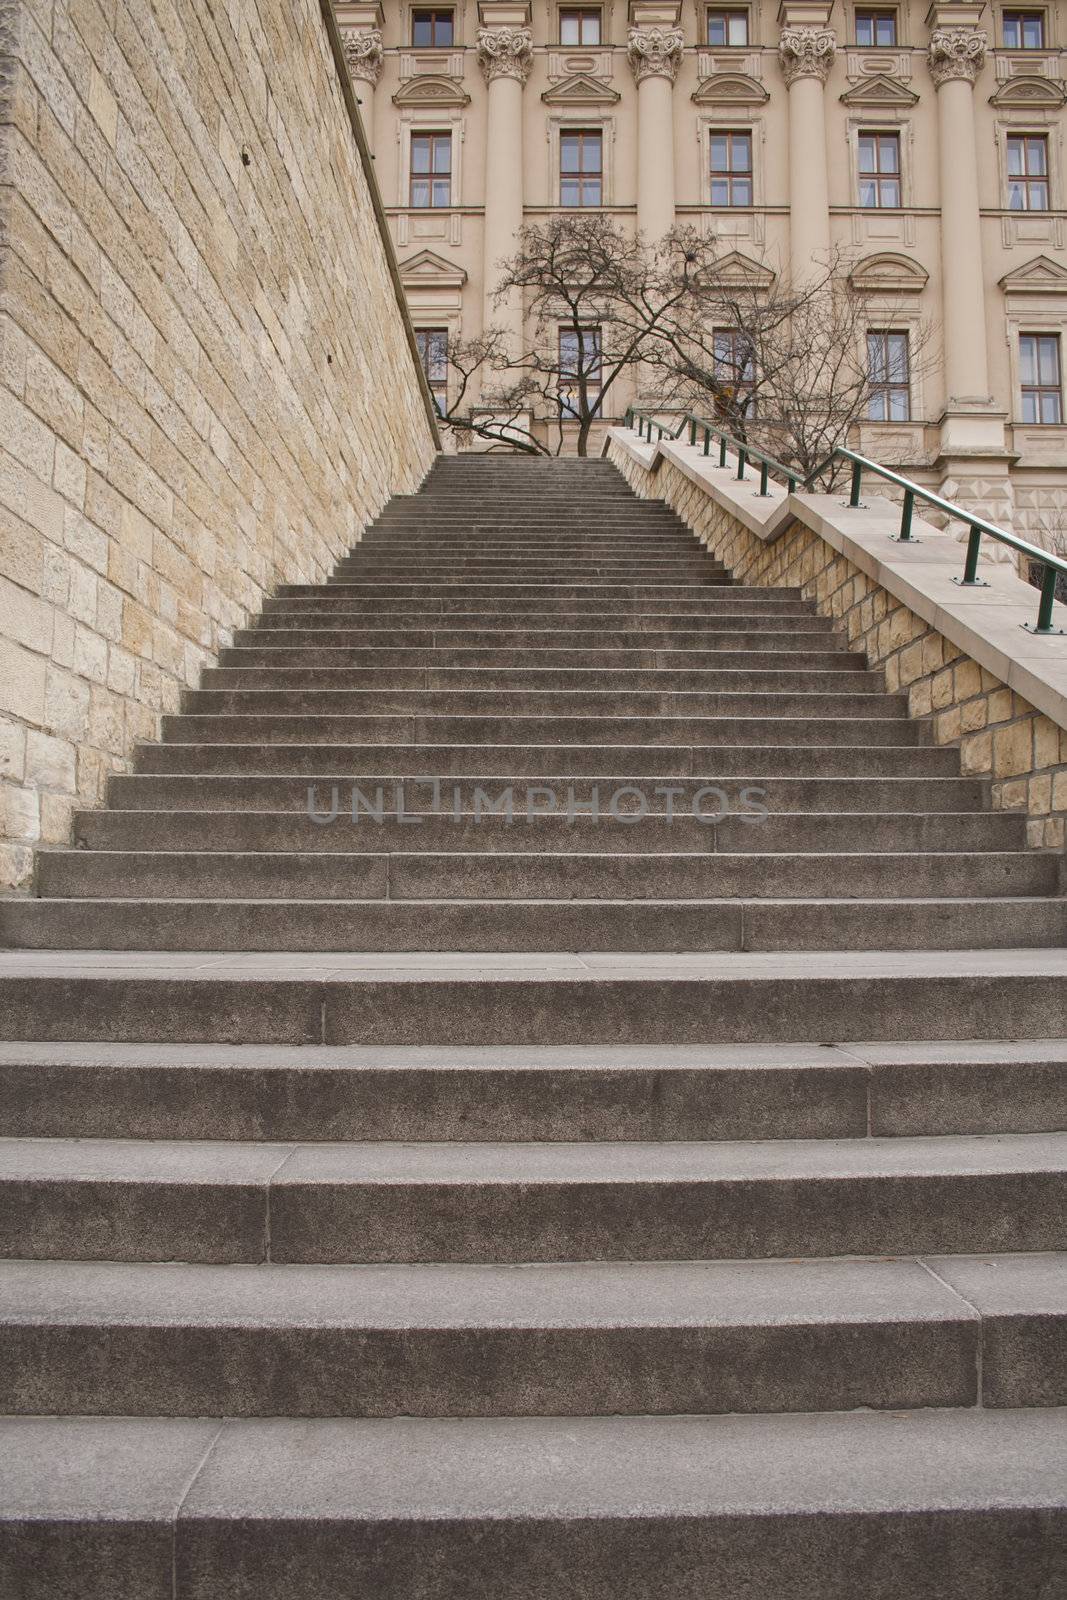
(364, 53)
(956, 53)
(505, 53)
(806, 53)
(655, 52)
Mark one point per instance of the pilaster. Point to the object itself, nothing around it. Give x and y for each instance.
(806, 50)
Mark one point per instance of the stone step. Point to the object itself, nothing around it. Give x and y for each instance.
(937, 1504)
(643, 615)
(592, 1339)
(442, 926)
(529, 998)
(484, 874)
(379, 819)
(207, 792)
(500, 1092)
(357, 1202)
(575, 760)
(776, 654)
(498, 594)
(500, 729)
(581, 643)
(500, 679)
(267, 700)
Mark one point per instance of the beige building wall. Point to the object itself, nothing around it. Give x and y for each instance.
(949, 89)
(206, 381)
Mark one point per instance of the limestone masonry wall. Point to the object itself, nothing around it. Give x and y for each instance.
(206, 387)
(999, 734)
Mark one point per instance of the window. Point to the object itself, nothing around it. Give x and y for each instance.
(579, 27)
(433, 30)
(431, 170)
(735, 369)
(888, 370)
(731, 168)
(876, 29)
(1039, 370)
(727, 29)
(580, 355)
(432, 345)
(1024, 30)
(879, 164)
(1027, 172)
(581, 168)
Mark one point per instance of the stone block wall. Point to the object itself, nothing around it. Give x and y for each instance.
(999, 734)
(206, 386)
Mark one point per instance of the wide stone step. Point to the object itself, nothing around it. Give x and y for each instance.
(501, 679)
(776, 653)
(503, 875)
(581, 643)
(358, 1202)
(372, 817)
(500, 729)
(207, 792)
(500, 1092)
(541, 1340)
(940, 1504)
(605, 999)
(576, 760)
(267, 700)
(496, 593)
(638, 616)
(443, 926)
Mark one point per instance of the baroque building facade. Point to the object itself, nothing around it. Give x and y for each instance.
(926, 141)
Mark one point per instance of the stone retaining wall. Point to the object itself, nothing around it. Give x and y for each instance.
(999, 734)
(206, 384)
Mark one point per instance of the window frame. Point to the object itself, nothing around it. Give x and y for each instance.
(876, 14)
(582, 14)
(888, 387)
(879, 175)
(731, 175)
(436, 14)
(594, 378)
(1025, 181)
(741, 363)
(1037, 391)
(435, 384)
(729, 14)
(581, 176)
(1022, 14)
(431, 176)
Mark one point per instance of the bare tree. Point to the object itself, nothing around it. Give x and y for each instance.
(503, 426)
(791, 368)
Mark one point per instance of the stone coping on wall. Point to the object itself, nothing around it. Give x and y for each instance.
(985, 624)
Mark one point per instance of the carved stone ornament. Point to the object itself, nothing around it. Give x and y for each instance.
(655, 52)
(505, 53)
(364, 53)
(806, 53)
(956, 53)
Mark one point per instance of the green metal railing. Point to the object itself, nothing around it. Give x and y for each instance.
(1053, 567)
(646, 421)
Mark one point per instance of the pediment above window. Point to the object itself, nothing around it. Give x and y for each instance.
(887, 273)
(431, 92)
(881, 91)
(581, 91)
(730, 89)
(1039, 276)
(1032, 94)
(429, 271)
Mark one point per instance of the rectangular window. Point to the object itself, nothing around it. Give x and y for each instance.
(579, 26)
(1027, 172)
(1024, 30)
(1040, 374)
(727, 29)
(581, 167)
(889, 372)
(433, 30)
(735, 369)
(580, 354)
(432, 344)
(879, 163)
(731, 168)
(431, 171)
(876, 29)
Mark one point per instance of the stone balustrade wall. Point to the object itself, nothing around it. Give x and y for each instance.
(999, 734)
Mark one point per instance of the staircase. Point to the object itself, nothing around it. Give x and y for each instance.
(546, 1052)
